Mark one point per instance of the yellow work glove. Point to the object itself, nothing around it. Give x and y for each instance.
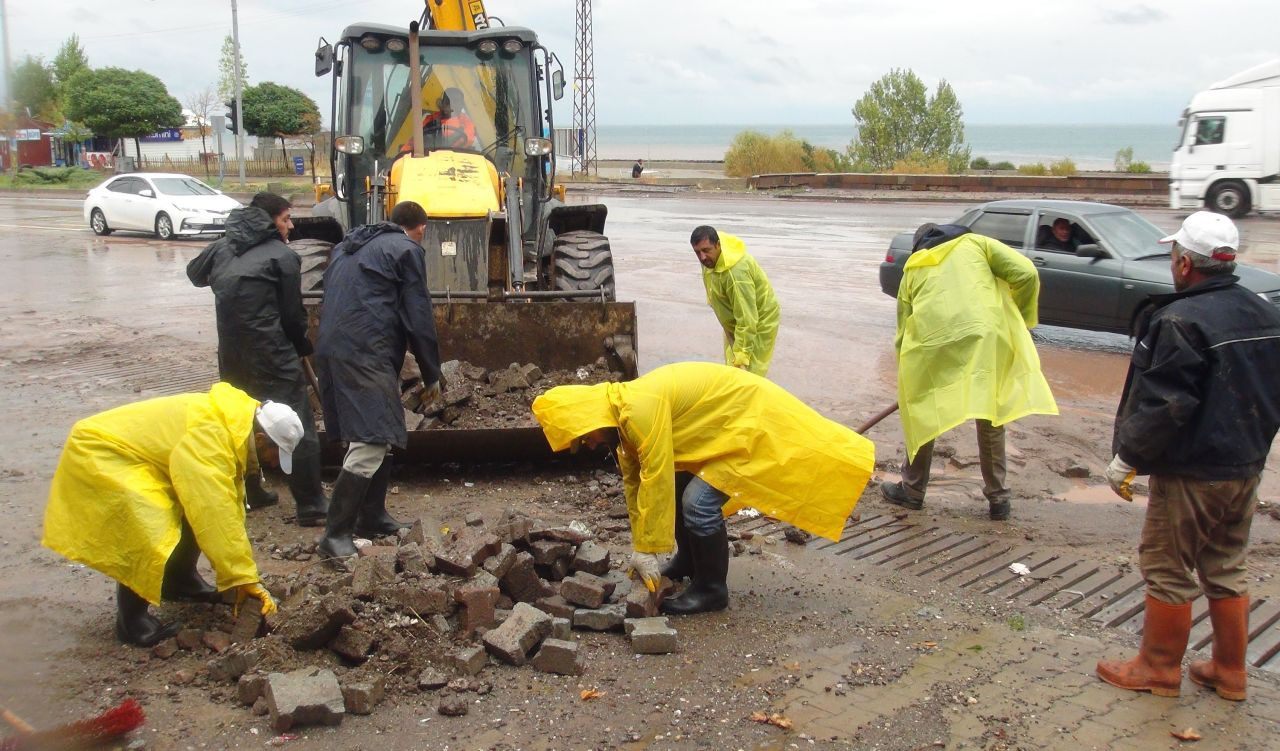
(1121, 475)
(245, 591)
(431, 393)
(646, 567)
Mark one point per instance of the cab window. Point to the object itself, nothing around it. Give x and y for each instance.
(1010, 229)
(1210, 130)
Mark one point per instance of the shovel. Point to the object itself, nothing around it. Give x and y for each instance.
(875, 419)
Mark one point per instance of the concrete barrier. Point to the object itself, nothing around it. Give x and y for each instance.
(1087, 184)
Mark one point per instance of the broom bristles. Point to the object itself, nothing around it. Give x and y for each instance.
(113, 723)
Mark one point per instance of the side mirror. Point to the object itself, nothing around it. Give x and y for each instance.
(146, 193)
(324, 58)
(351, 145)
(557, 84)
(1090, 250)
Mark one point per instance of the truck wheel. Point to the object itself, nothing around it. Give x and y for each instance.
(1230, 198)
(315, 259)
(583, 260)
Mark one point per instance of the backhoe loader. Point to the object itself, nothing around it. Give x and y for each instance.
(515, 273)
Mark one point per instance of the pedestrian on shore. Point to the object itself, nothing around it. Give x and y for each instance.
(696, 442)
(376, 305)
(142, 490)
(262, 334)
(1200, 409)
(740, 295)
(637, 169)
(965, 309)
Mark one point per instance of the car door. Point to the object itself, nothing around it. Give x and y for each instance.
(117, 203)
(1075, 291)
(1207, 150)
(143, 208)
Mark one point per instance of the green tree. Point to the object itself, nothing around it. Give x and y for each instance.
(898, 120)
(119, 103)
(227, 71)
(33, 87)
(275, 111)
(69, 61)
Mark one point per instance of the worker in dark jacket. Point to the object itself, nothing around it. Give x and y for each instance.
(262, 333)
(1201, 406)
(376, 305)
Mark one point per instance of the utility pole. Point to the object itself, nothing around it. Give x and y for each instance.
(584, 94)
(12, 134)
(235, 42)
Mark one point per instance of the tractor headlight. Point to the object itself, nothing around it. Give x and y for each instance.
(487, 47)
(537, 146)
(371, 43)
(397, 45)
(512, 46)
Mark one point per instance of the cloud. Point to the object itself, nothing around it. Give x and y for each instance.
(1135, 15)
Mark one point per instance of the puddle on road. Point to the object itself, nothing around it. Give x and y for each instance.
(1082, 492)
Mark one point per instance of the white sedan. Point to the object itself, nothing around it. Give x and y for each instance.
(167, 205)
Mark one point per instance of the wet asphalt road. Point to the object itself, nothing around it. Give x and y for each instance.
(835, 345)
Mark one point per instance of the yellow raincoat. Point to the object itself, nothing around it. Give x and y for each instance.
(743, 301)
(129, 475)
(742, 434)
(964, 349)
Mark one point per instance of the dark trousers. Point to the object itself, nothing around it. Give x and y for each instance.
(991, 457)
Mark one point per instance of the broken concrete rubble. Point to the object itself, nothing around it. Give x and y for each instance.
(558, 656)
(520, 633)
(309, 696)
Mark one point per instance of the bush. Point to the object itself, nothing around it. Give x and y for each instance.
(1139, 168)
(1003, 165)
(917, 163)
(1063, 168)
(1033, 169)
(756, 153)
(980, 163)
(1124, 159)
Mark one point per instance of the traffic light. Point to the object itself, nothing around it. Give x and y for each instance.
(231, 115)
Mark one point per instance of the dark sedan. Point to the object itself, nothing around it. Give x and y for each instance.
(1095, 273)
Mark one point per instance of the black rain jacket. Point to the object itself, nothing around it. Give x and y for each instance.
(257, 289)
(376, 305)
(1202, 399)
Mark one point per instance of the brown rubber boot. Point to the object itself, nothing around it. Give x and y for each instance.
(1225, 673)
(1158, 666)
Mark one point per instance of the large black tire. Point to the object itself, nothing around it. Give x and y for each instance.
(1230, 198)
(315, 259)
(583, 260)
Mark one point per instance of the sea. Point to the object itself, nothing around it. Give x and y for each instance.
(1091, 147)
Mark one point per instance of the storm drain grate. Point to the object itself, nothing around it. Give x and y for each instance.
(1106, 595)
(147, 377)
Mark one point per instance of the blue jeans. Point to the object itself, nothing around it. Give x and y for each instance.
(701, 504)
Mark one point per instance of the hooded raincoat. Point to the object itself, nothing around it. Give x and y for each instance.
(742, 434)
(965, 307)
(743, 301)
(128, 477)
(257, 287)
(376, 304)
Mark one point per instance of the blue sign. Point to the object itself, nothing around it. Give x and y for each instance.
(298, 168)
(172, 134)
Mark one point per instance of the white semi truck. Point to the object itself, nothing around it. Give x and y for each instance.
(1228, 157)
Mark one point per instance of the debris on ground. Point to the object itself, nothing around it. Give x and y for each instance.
(775, 719)
(1189, 734)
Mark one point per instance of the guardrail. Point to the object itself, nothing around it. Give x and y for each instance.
(1088, 184)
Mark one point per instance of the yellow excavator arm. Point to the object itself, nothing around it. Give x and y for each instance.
(457, 15)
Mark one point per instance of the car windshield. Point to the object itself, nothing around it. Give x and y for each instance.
(182, 186)
(1129, 234)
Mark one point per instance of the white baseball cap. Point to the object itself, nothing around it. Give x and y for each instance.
(282, 426)
(1207, 234)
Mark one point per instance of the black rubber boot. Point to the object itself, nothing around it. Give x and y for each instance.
(134, 622)
(709, 589)
(372, 520)
(348, 493)
(681, 564)
(255, 495)
(308, 493)
(894, 493)
(182, 580)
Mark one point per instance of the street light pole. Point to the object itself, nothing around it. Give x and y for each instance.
(12, 135)
(235, 42)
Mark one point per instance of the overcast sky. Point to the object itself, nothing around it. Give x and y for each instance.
(739, 61)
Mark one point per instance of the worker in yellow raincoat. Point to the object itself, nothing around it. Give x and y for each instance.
(141, 490)
(965, 309)
(696, 442)
(741, 297)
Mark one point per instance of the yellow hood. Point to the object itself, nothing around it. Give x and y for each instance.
(567, 413)
(732, 249)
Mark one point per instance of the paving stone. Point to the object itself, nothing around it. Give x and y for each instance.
(232, 663)
(248, 625)
(453, 706)
(316, 620)
(547, 552)
(352, 644)
(558, 570)
(499, 563)
(591, 558)
(250, 687)
(522, 582)
(475, 519)
(424, 536)
(189, 638)
(531, 372)
(431, 679)
(411, 559)
(560, 533)
(370, 573)
(622, 585)
(361, 693)
(218, 641)
(555, 606)
(606, 618)
(479, 599)
(469, 548)
(468, 660)
(581, 590)
(518, 635)
(424, 598)
(387, 553)
(558, 656)
(514, 528)
(651, 636)
(641, 603)
(309, 696)
(165, 649)
(562, 628)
